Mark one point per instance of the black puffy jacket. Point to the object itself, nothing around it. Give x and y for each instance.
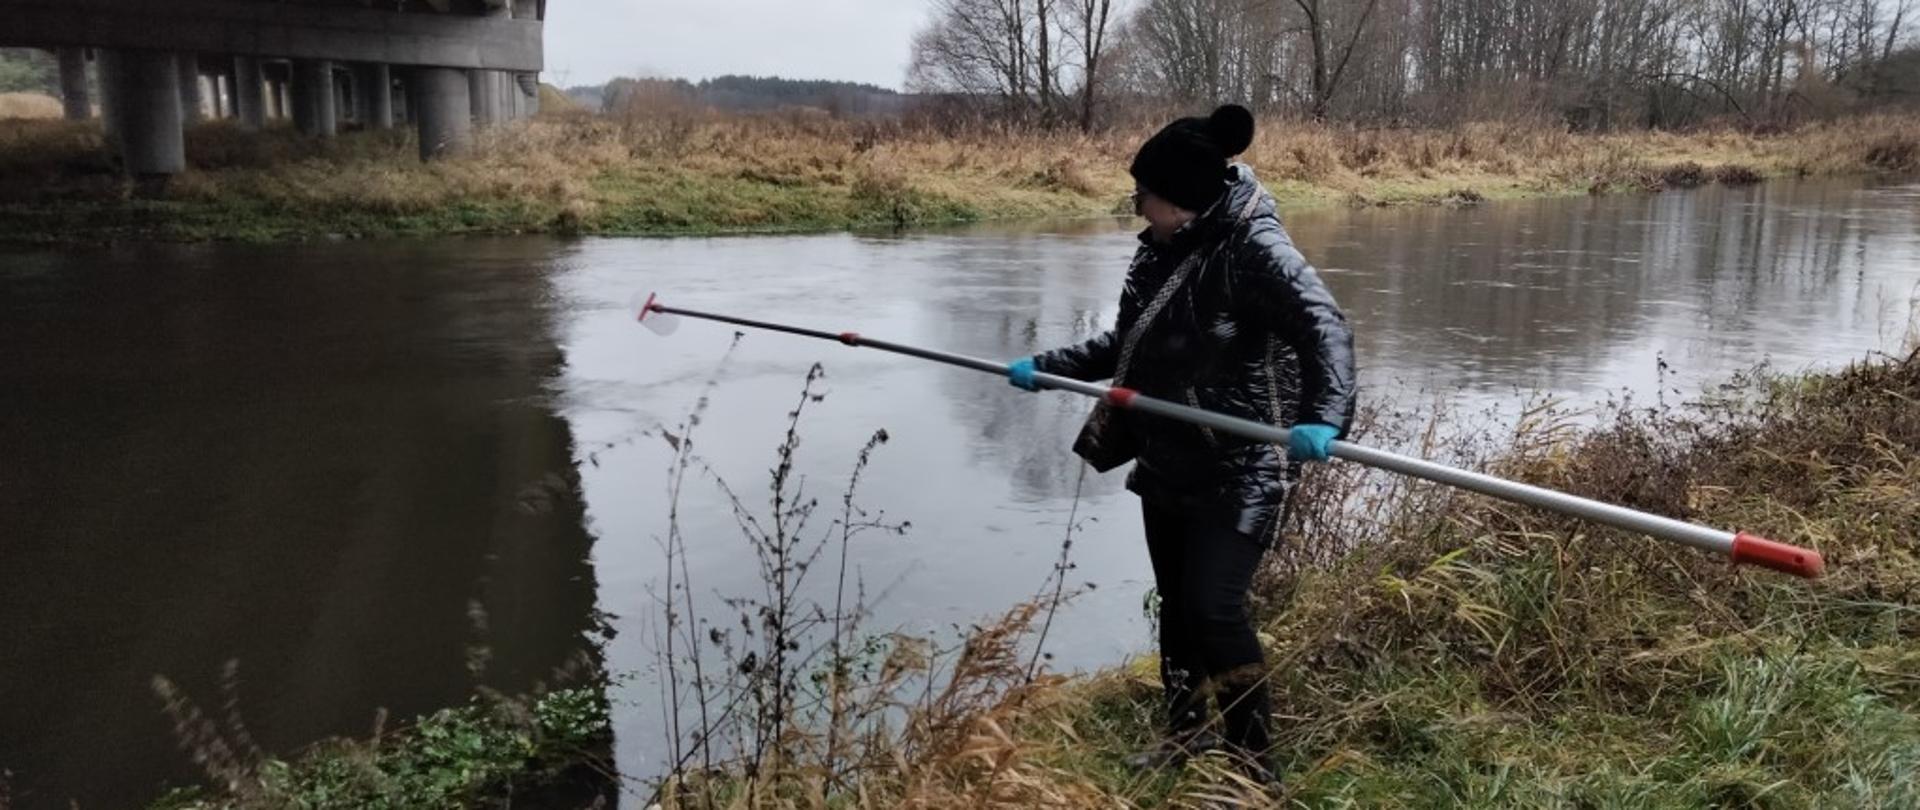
(1252, 332)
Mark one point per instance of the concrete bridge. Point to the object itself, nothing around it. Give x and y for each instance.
(443, 66)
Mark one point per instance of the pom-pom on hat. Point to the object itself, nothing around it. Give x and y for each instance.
(1186, 161)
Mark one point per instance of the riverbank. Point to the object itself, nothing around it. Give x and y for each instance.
(586, 174)
(1490, 656)
(1494, 656)
(1486, 655)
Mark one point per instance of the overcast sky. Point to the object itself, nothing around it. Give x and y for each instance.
(591, 41)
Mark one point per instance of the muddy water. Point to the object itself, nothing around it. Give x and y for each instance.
(377, 474)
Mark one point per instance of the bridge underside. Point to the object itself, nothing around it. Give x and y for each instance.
(445, 66)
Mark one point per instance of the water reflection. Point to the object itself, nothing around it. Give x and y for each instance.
(1581, 296)
(1010, 297)
(311, 460)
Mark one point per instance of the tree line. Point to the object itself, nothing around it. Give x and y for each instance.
(1592, 64)
(743, 94)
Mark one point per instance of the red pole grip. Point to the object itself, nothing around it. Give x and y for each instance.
(1756, 550)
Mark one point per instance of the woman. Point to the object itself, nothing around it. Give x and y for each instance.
(1219, 311)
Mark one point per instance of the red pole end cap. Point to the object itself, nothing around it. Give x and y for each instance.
(646, 307)
(1750, 549)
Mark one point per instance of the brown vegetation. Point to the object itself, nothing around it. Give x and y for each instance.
(687, 171)
(29, 105)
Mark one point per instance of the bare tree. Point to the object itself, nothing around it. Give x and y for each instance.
(1004, 49)
(1198, 50)
(1088, 23)
(1328, 67)
(1043, 57)
(1863, 34)
(972, 46)
(1900, 14)
(1593, 63)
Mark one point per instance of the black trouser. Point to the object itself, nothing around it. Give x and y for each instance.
(1202, 568)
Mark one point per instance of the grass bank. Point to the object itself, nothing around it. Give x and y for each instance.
(1426, 648)
(1429, 649)
(578, 173)
(1485, 655)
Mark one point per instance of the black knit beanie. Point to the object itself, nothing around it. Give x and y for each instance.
(1185, 162)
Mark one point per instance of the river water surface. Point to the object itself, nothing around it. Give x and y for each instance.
(375, 474)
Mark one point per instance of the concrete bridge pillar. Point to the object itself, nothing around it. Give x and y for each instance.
(74, 96)
(483, 94)
(342, 97)
(528, 83)
(487, 88)
(373, 91)
(392, 98)
(189, 66)
(440, 100)
(314, 111)
(145, 88)
(249, 92)
(103, 66)
(223, 92)
(283, 95)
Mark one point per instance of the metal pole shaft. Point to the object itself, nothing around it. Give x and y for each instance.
(772, 327)
(1617, 516)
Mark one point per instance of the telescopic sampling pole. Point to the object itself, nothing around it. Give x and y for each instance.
(1740, 547)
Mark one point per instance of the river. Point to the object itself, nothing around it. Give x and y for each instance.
(375, 474)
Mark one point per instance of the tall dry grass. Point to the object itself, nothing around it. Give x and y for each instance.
(674, 170)
(29, 105)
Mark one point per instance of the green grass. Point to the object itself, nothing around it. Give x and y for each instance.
(1769, 728)
(482, 753)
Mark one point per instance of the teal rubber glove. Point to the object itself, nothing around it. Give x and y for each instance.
(1308, 442)
(1020, 374)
